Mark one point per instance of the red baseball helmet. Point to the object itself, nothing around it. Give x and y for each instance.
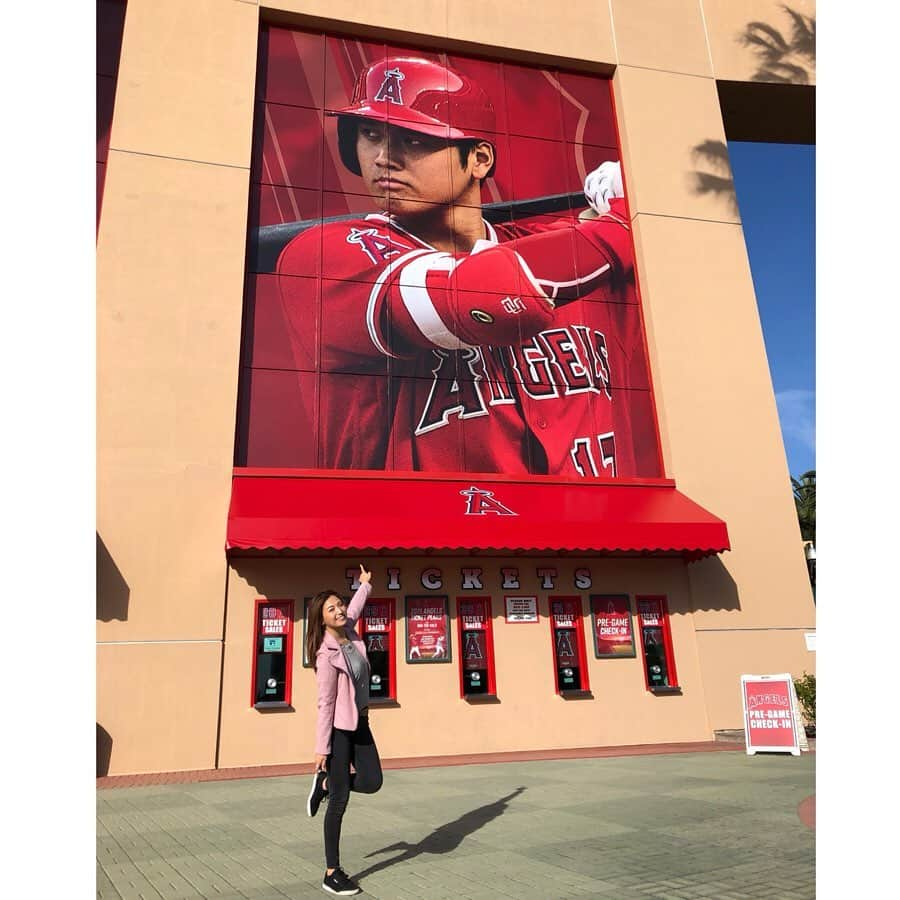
(419, 95)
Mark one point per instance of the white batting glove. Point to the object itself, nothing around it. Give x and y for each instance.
(601, 185)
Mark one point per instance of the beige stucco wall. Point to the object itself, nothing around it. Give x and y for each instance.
(431, 718)
(158, 705)
(718, 420)
(709, 38)
(170, 253)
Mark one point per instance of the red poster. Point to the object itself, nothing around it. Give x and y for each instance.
(275, 618)
(472, 305)
(769, 722)
(611, 619)
(427, 629)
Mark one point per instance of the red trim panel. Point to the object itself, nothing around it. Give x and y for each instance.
(297, 510)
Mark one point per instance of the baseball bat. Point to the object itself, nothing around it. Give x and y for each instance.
(269, 240)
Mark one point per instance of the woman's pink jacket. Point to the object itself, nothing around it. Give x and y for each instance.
(337, 698)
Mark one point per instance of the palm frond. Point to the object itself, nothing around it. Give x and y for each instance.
(766, 40)
(803, 33)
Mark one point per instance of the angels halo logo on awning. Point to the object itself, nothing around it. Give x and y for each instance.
(480, 502)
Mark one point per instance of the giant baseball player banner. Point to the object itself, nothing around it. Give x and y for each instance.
(440, 269)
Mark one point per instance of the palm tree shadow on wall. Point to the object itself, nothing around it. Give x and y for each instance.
(786, 57)
(713, 174)
(443, 839)
(781, 59)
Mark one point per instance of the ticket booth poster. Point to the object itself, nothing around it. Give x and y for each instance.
(611, 626)
(427, 630)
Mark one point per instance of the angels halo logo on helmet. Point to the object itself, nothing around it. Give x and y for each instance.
(418, 95)
(390, 87)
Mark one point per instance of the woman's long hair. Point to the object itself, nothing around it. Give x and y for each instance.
(315, 624)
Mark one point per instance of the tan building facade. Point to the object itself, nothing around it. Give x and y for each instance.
(175, 629)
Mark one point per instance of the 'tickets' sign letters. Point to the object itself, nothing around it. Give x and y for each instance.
(770, 721)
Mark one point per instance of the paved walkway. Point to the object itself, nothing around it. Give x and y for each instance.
(688, 825)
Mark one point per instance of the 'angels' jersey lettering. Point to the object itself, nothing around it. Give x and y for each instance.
(472, 394)
(432, 361)
(451, 395)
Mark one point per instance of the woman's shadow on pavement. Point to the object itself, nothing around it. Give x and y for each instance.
(443, 839)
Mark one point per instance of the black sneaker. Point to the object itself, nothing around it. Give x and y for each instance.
(338, 883)
(316, 794)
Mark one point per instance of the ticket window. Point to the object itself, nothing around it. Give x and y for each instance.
(569, 655)
(272, 653)
(477, 676)
(656, 644)
(377, 628)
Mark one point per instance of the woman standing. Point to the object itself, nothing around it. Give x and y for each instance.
(342, 726)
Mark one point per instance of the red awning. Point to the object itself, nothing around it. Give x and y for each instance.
(288, 509)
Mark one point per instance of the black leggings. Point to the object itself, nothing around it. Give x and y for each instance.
(359, 748)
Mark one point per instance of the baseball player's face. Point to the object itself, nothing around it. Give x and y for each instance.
(405, 170)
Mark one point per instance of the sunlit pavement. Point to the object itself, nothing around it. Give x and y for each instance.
(687, 825)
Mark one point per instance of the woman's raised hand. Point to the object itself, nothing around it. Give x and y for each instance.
(364, 576)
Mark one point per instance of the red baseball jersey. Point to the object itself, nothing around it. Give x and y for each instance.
(463, 362)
